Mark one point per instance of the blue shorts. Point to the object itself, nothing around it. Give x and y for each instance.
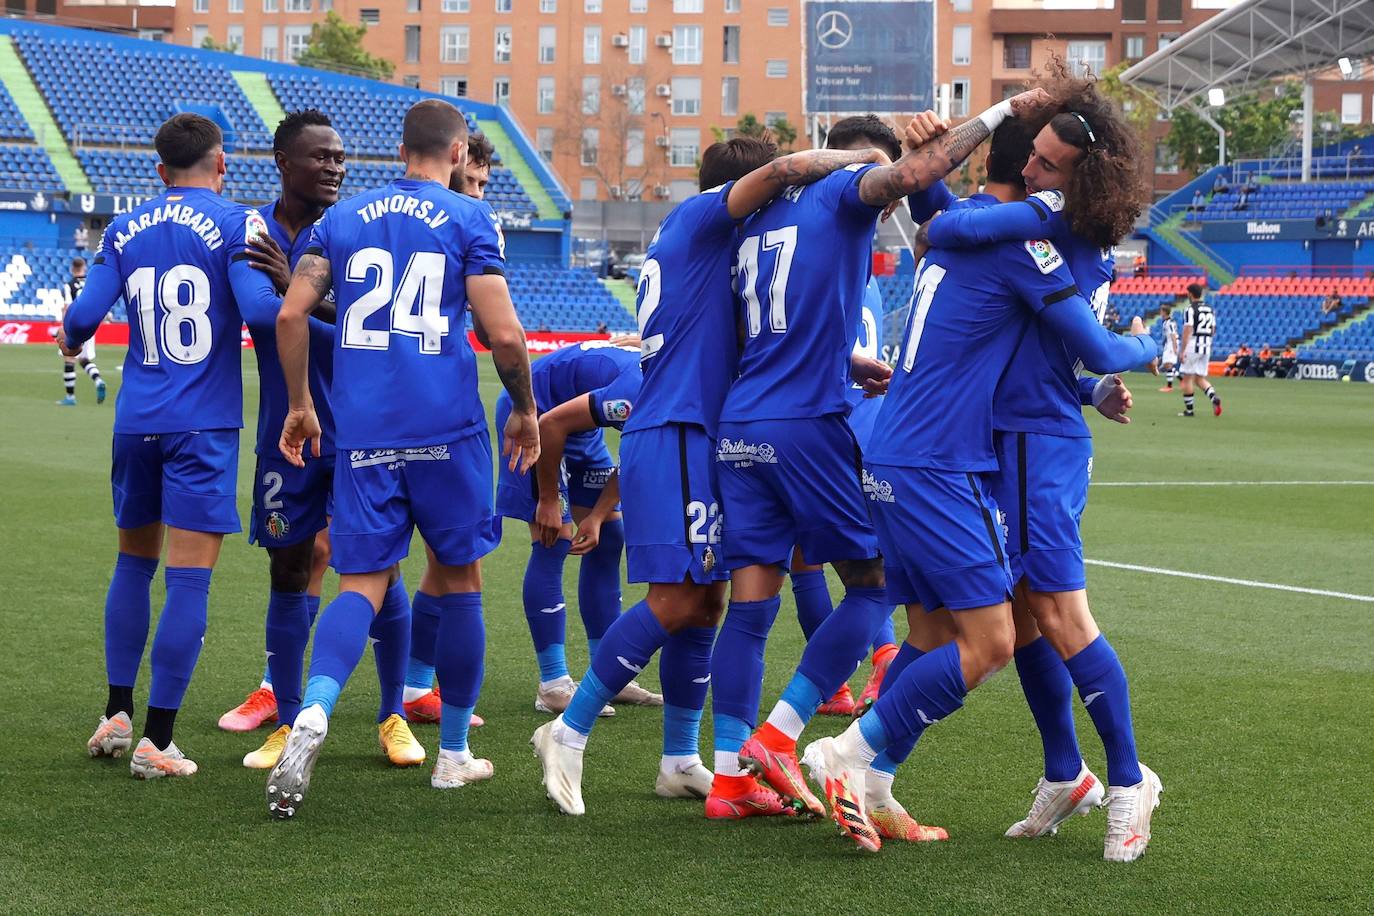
(863, 418)
(1042, 487)
(290, 504)
(186, 480)
(672, 509)
(793, 482)
(580, 483)
(941, 542)
(381, 495)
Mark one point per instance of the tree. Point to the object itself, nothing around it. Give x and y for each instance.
(210, 44)
(1139, 107)
(783, 133)
(626, 159)
(1256, 124)
(336, 45)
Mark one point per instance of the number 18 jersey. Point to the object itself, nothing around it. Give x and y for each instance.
(404, 374)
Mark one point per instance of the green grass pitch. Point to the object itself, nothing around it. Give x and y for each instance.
(1253, 705)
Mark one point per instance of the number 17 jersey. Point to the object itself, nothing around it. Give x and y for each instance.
(404, 374)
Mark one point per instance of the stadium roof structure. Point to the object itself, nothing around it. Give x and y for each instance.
(1253, 43)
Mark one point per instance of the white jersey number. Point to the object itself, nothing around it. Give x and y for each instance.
(184, 331)
(924, 295)
(650, 289)
(415, 308)
(704, 517)
(784, 242)
(1206, 325)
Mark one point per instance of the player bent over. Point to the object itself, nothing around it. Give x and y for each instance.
(413, 448)
(179, 261)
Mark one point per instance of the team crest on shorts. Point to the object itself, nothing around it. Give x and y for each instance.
(708, 559)
(277, 525)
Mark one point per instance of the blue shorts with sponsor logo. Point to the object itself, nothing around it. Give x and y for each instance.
(942, 545)
(186, 480)
(290, 504)
(1042, 487)
(792, 482)
(672, 508)
(382, 495)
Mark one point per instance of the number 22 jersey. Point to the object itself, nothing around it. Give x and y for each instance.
(404, 374)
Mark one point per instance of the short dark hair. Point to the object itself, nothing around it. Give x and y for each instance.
(1166, 308)
(78, 262)
(480, 150)
(1011, 146)
(185, 139)
(432, 126)
(1196, 290)
(730, 160)
(869, 130)
(296, 121)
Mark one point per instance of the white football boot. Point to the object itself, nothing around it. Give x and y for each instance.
(290, 778)
(1129, 810)
(690, 780)
(562, 766)
(1056, 802)
(113, 736)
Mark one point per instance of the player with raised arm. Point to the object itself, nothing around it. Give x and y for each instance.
(932, 478)
(1199, 327)
(789, 465)
(86, 358)
(413, 449)
(179, 261)
(667, 477)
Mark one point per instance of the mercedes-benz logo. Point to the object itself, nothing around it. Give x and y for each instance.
(834, 30)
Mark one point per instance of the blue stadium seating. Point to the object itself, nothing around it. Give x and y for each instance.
(12, 123)
(1355, 341)
(31, 282)
(1283, 200)
(1255, 320)
(562, 299)
(27, 168)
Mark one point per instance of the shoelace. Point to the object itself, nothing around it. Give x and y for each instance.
(258, 701)
(1120, 812)
(1042, 799)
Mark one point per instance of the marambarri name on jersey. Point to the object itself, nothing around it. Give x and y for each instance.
(184, 214)
(404, 204)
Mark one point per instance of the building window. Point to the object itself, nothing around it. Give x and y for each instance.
(543, 141)
(591, 6)
(684, 147)
(634, 147)
(548, 42)
(453, 44)
(1352, 108)
(590, 187)
(961, 6)
(234, 38)
(686, 95)
(1134, 10)
(200, 6)
(269, 6)
(958, 98)
(236, 6)
(731, 44)
(591, 44)
(591, 95)
(198, 35)
(639, 40)
(503, 6)
(1016, 52)
(1086, 55)
(732, 6)
(1166, 163)
(269, 42)
(298, 6)
(778, 16)
(548, 6)
(1170, 10)
(297, 37)
(686, 44)
(412, 6)
(502, 55)
(1134, 47)
(500, 91)
(370, 16)
(456, 6)
(773, 117)
(775, 69)
(412, 44)
(689, 6)
(545, 95)
(591, 142)
(729, 95)
(963, 44)
(634, 95)
(411, 80)
(1166, 39)
(639, 6)
(456, 86)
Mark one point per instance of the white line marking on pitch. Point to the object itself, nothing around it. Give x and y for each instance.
(1229, 581)
(1234, 483)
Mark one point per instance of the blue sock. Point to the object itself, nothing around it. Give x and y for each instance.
(730, 732)
(1049, 694)
(598, 582)
(1101, 682)
(593, 643)
(802, 694)
(424, 632)
(737, 669)
(340, 637)
(544, 607)
(897, 751)
(930, 688)
(684, 669)
(288, 634)
(812, 595)
(887, 634)
(390, 637)
(842, 640)
(312, 605)
(180, 634)
(460, 661)
(127, 611)
(624, 651)
(312, 610)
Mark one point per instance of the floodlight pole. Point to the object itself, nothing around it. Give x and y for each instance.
(1307, 118)
(1221, 131)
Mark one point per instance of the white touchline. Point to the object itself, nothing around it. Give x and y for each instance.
(1234, 483)
(1228, 580)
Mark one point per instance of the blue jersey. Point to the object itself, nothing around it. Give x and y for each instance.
(273, 401)
(870, 340)
(1039, 393)
(802, 268)
(686, 311)
(610, 375)
(404, 373)
(178, 260)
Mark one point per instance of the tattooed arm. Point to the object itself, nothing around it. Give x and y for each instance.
(309, 285)
(766, 182)
(918, 169)
(494, 312)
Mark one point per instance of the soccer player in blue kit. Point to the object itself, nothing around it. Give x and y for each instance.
(933, 474)
(790, 468)
(180, 263)
(411, 434)
(687, 331)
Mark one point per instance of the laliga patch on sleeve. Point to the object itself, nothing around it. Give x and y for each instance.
(855, 166)
(1045, 255)
(616, 410)
(500, 236)
(1052, 199)
(254, 226)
